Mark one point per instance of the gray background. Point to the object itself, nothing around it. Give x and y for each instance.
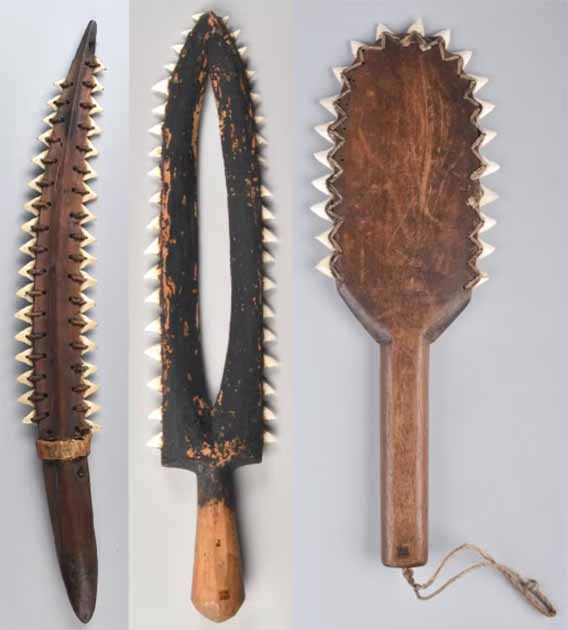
(498, 408)
(163, 501)
(37, 43)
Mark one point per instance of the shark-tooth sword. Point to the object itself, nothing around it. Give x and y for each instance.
(211, 437)
(56, 374)
(405, 199)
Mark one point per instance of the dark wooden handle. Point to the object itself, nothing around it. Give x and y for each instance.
(404, 451)
(218, 589)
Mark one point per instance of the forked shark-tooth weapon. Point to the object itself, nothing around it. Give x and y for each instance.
(405, 199)
(56, 322)
(211, 438)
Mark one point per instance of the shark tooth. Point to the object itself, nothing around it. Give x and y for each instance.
(267, 312)
(322, 158)
(90, 324)
(153, 298)
(323, 238)
(155, 352)
(154, 248)
(329, 104)
(29, 419)
(156, 414)
(269, 438)
(155, 199)
(480, 82)
(323, 131)
(267, 389)
(324, 266)
(319, 210)
(24, 357)
(24, 399)
(488, 223)
(445, 35)
(91, 408)
(270, 362)
(24, 292)
(466, 57)
(355, 45)
(268, 284)
(156, 130)
(88, 303)
(268, 415)
(486, 250)
(24, 314)
(486, 108)
(267, 257)
(482, 279)
(95, 428)
(155, 172)
(155, 384)
(160, 110)
(38, 159)
(89, 369)
(26, 248)
(24, 378)
(488, 196)
(416, 27)
(489, 167)
(488, 136)
(156, 442)
(154, 224)
(381, 30)
(267, 215)
(92, 388)
(90, 345)
(26, 269)
(88, 281)
(321, 184)
(265, 193)
(153, 273)
(156, 152)
(268, 236)
(24, 336)
(154, 327)
(267, 335)
(338, 72)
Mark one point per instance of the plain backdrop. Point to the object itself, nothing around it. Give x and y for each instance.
(498, 374)
(163, 500)
(37, 44)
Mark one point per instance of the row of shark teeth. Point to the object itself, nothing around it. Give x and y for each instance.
(26, 314)
(488, 167)
(269, 237)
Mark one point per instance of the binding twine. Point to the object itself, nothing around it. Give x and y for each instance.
(528, 588)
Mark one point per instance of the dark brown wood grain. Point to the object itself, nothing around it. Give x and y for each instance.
(404, 202)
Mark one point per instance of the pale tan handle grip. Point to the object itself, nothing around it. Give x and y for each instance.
(218, 590)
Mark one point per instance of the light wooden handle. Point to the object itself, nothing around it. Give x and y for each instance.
(217, 591)
(404, 452)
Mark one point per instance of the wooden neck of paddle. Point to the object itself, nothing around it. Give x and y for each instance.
(404, 451)
(217, 590)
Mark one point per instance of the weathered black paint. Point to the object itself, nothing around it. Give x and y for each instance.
(199, 435)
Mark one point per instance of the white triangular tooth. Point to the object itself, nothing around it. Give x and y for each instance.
(185, 33)
(89, 369)
(44, 137)
(90, 174)
(156, 173)
(197, 16)
(153, 273)
(259, 120)
(155, 352)
(25, 398)
(177, 48)
(321, 157)
(268, 236)
(156, 152)
(95, 428)
(243, 52)
(29, 419)
(255, 97)
(319, 210)
(267, 215)
(34, 183)
(38, 159)
(156, 415)
(355, 45)
(486, 108)
(270, 362)
(268, 336)
(88, 259)
(91, 408)
(170, 67)
(89, 240)
(24, 292)
(156, 130)
(489, 167)
(26, 248)
(24, 378)
(154, 224)
(96, 108)
(321, 184)
(154, 327)
(251, 74)
(161, 87)
(155, 199)
(323, 238)
(445, 35)
(267, 257)
(155, 384)
(486, 250)
(268, 415)
(98, 87)
(416, 27)
(29, 206)
(89, 324)
(329, 104)
(488, 223)
(264, 192)
(54, 103)
(268, 284)
(25, 270)
(92, 388)
(324, 266)
(28, 225)
(466, 57)
(236, 34)
(260, 140)
(480, 82)
(154, 248)
(338, 72)
(89, 303)
(488, 196)
(91, 345)
(100, 66)
(88, 281)
(95, 130)
(154, 297)
(24, 336)
(323, 131)
(267, 389)
(59, 83)
(483, 278)
(269, 438)
(93, 152)
(24, 314)
(226, 19)
(156, 442)
(381, 28)
(267, 312)
(488, 136)
(24, 357)
(160, 110)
